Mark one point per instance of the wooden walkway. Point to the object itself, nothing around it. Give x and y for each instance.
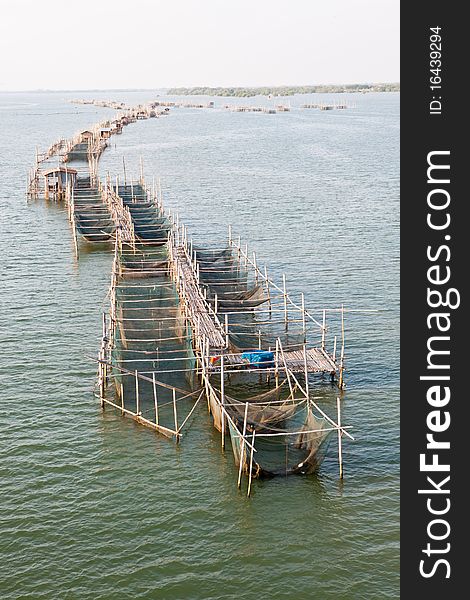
(204, 321)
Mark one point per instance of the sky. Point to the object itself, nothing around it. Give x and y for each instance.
(106, 44)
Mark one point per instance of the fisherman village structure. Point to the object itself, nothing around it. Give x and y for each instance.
(190, 324)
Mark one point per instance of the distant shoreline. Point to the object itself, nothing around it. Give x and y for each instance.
(247, 92)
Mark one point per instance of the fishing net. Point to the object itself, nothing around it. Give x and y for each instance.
(234, 286)
(92, 218)
(152, 335)
(151, 226)
(286, 451)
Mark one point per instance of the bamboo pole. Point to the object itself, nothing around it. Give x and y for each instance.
(100, 378)
(174, 412)
(137, 398)
(304, 326)
(323, 331)
(276, 364)
(340, 433)
(242, 449)
(226, 331)
(267, 290)
(286, 315)
(222, 400)
(251, 463)
(256, 268)
(74, 229)
(286, 369)
(341, 367)
(306, 376)
(155, 398)
(122, 398)
(191, 411)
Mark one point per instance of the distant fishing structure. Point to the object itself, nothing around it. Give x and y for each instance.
(188, 322)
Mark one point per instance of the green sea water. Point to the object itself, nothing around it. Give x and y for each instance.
(93, 506)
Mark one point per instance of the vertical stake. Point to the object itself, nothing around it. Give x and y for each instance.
(222, 399)
(174, 413)
(306, 377)
(242, 448)
(267, 290)
(256, 268)
(137, 399)
(340, 433)
(251, 462)
(341, 366)
(304, 326)
(155, 397)
(286, 316)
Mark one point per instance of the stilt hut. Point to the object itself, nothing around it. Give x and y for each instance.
(56, 181)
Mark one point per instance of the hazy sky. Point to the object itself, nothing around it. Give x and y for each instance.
(80, 44)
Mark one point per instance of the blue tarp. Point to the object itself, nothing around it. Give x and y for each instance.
(259, 358)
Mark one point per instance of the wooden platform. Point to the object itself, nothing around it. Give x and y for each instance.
(318, 361)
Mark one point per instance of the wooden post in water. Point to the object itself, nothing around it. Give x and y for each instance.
(122, 398)
(226, 331)
(304, 326)
(137, 399)
(229, 235)
(222, 400)
(74, 229)
(100, 377)
(306, 376)
(341, 366)
(256, 268)
(286, 315)
(242, 447)
(251, 462)
(174, 413)
(276, 364)
(155, 398)
(323, 330)
(267, 291)
(340, 449)
(105, 342)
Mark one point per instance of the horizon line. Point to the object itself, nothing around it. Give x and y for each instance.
(165, 88)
